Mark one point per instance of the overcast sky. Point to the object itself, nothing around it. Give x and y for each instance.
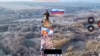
(60, 0)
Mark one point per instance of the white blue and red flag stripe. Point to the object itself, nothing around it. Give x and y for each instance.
(57, 12)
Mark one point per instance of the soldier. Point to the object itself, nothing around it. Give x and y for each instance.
(47, 15)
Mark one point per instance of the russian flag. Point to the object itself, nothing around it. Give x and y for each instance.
(57, 12)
